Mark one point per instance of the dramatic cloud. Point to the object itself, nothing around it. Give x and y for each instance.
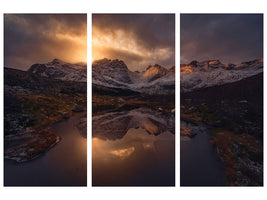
(231, 38)
(39, 38)
(137, 39)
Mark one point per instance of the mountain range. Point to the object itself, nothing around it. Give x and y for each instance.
(115, 74)
(197, 75)
(155, 79)
(112, 74)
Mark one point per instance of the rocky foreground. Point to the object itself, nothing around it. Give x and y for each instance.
(28, 146)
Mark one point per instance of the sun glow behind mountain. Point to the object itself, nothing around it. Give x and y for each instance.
(105, 43)
(139, 40)
(78, 47)
(39, 38)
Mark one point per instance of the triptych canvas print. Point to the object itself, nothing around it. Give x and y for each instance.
(134, 127)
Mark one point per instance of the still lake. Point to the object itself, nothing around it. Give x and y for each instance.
(200, 164)
(133, 148)
(63, 165)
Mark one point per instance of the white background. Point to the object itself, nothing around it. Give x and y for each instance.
(127, 6)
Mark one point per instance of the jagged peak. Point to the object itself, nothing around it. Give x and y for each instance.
(101, 60)
(153, 70)
(105, 62)
(196, 63)
(57, 61)
(193, 63)
(214, 62)
(155, 66)
(256, 61)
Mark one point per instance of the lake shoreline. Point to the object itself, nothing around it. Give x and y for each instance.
(200, 162)
(240, 153)
(63, 164)
(37, 143)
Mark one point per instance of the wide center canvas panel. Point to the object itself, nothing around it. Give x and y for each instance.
(133, 99)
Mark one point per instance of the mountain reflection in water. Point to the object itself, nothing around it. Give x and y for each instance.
(133, 148)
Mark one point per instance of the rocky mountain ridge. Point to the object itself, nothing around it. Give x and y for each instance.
(57, 69)
(196, 75)
(115, 73)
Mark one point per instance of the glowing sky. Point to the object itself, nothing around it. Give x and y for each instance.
(39, 38)
(231, 38)
(137, 39)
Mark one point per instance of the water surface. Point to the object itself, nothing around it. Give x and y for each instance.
(133, 148)
(200, 164)
(63, 165)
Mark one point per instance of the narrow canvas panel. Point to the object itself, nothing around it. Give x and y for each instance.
(221, 86)
(45, 81)
(133, 93)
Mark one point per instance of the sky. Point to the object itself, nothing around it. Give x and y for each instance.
(139, 40)
(39, 38)
(231, 38)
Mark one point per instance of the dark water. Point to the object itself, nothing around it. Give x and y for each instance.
(63, 165)
(133, 148)
(200, 163)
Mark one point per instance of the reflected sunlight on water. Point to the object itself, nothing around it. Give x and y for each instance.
(142, 155)
(63, 165)
(123, 153)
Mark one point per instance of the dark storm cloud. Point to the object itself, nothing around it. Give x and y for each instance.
(152, 34)
(231, 38)
(32, 38)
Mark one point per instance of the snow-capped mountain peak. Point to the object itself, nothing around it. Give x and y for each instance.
(115, 73)
(56, 61)
(154, 71)
(58, 69)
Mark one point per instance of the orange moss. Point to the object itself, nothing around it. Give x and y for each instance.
(231, 148)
